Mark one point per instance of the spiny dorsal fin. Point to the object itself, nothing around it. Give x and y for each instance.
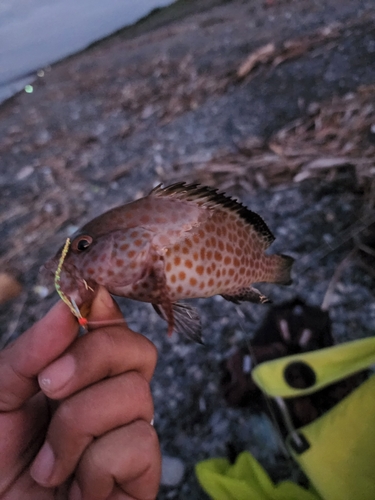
(211, 198)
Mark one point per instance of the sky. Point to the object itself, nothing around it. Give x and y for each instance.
(35, 33)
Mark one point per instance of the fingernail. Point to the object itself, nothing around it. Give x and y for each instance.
(75, 492)
(105, 297)
(55, 376)
(42, 467)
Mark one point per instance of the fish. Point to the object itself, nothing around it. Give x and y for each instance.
(179, 242)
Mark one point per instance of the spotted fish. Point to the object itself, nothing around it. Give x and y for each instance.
(182, 241)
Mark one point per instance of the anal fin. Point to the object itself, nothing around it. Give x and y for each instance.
(185, 320)
(249, 294)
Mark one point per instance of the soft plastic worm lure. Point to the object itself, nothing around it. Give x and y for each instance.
(69, 302)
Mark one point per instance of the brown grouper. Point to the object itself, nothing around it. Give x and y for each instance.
(182, 241)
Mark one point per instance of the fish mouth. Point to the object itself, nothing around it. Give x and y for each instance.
(71, 284)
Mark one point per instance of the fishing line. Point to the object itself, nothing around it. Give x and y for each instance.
(306, 262)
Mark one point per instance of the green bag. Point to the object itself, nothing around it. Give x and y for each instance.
(336, 451)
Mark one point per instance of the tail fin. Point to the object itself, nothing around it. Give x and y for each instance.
(281, 269)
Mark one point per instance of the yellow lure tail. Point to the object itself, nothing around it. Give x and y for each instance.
(70, 303)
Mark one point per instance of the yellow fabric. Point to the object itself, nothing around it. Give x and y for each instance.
(330, 365)
(245, 480)
(341, 461)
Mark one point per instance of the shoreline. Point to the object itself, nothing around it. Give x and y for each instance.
(155, 19)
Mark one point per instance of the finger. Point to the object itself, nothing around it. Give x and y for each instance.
(105, 352)
(87, 415)
(21, 362)
(104, 310)
(125, 460)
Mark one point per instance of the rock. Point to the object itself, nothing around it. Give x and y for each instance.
(172, 471)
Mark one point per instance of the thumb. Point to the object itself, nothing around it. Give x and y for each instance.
(104, 310)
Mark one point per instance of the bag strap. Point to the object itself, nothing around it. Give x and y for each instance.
(315, 369)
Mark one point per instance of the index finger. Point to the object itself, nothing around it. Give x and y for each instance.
(21, 362)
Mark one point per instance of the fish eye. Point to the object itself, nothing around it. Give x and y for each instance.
(81, 243)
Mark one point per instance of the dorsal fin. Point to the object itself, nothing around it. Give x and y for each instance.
(212, 198)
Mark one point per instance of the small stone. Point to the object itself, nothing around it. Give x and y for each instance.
(172, 471)
(24, 172)
(41, 291)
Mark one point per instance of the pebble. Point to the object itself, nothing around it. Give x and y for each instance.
(172, 471)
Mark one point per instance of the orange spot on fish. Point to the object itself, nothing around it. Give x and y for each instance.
(209, 255)
(181, 275)
(218, 256)
(124, 247)
(231, 271)
(168, 267)
(173, 278)
(188, 264)
(144, 219)
(138, 243)
(119, 262)
(134, 234)
(196, 239)
(199, 270)
(193, 281)
(227, 260)
(131, 254)
(220, 244)
(177, 261)
(218, 273)
(203, 253)
(202, 285)
(185, 250)
(90, 270)
(211, 282)
(229, 248)
(179, 289)
(195, 256)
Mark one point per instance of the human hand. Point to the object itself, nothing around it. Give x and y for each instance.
(82, 407)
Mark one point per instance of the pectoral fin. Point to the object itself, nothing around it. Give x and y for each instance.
(249, 294)
(184, 319)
